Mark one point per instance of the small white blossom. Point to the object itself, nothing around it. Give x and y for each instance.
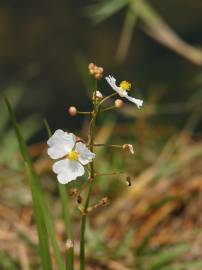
(122, 90)
(63, 145)
(98, 95)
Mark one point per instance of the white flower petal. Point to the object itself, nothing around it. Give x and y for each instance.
(112, 82)
(138, 102)
(68, 170)
(85, 155)
(131, 149)
(60, 143)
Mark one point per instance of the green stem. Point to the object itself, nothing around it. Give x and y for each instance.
(92, 176)
(108, 145)
(107, 97)
(66, 213)
(108, 108)
(78, 112)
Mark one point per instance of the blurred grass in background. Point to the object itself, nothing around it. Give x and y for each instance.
(40, 41)
(45, 47)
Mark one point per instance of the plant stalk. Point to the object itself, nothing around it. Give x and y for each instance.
(92, 176)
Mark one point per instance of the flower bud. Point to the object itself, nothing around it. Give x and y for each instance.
(118, 103)
(91, 66)
(100, 70)
(98, 76)
(95, 71)
(91, 71)
(98, 96)
(72, 111)
(128, 148)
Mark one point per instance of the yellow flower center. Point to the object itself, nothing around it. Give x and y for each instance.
(124, 85)
(73, 155)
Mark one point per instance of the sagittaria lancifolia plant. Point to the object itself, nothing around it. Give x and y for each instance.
(73, 157)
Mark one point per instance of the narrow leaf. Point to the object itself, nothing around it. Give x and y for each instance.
(43, 220)
(101, 11)
(159, 30)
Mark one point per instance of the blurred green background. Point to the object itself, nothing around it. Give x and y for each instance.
(45, 44)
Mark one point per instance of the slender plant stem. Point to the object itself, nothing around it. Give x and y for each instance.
(92, 176)
(108, 108)
(66, 213)
(107, 97)
(78, 112)
(108, 174)
(108, 145)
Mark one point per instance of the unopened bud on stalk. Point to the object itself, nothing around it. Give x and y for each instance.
(96, 71)
(128, 148)
(100, 70)
(72, 111)
(118, 103)
(98, 76)
(91, 66)
(91, 71)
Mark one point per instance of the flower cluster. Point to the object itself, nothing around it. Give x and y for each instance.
(73, 154)
(95, 71)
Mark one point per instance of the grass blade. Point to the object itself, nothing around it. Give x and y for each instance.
(159, 30)
(14, 93)
(102, 11)
(40, 222)
(126, 35)
(167, 257)
(43, 220)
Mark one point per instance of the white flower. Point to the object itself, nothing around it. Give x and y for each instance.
(98, 95)
(122, 90)
(76, 154)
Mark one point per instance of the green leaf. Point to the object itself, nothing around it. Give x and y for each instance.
(101, 11)
(126, 34)
(14, 94)
(158, 29)
(167, 257)
(6, 262)
(28, 127)
(43, 219)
